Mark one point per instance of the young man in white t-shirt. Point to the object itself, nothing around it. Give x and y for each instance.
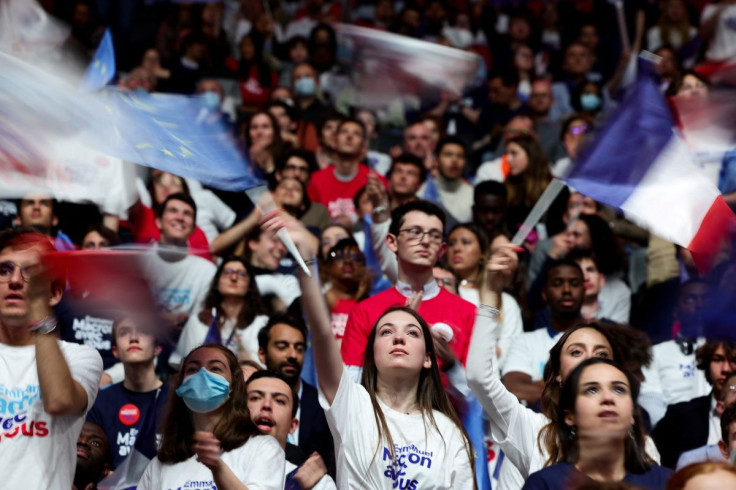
(47, 384)
(273, 405)
(524, 366)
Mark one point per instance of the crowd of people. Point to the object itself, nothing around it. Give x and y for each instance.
(591, 346)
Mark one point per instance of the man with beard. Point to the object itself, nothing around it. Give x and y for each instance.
(281, 346)
(336, 186)
(564, 292)
(93, 462)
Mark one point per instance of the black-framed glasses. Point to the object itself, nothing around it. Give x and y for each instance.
(7, 269)
(416, 234)
(242, 274)
(341, 255)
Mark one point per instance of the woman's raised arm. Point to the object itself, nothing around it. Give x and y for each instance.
(327, 357)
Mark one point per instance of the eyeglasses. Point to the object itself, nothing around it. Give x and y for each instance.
(240, 272)
(7, 269)
(341, 255)
(296, 168)
(167, 179)
(416, 234)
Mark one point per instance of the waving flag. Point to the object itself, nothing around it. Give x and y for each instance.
(102, 67)
(638, 164)
(174, 133)
(473, 422)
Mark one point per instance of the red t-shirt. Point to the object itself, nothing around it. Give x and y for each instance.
(340, 314)
(336, 195)
(445, 307)
(148, 232)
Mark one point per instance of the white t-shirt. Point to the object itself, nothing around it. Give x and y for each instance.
(213, 215)
(194, 333)
(490, 170)
(723, 45)
(614, 299)
(426, 458)
(529, 353)
(259, 464)
(179, 286)
(654, 37)
(672, 377)
(285, 287)
(38, 450)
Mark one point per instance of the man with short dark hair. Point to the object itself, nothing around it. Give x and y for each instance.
(405, 177)
(576, 69)
(453, 193)
(179, 281)
(48, 384)
(416, 237)
(38, 211)
(489, 207)
(336, 186)
(121, 408)
(93, 457)
(281, 346)
(503, 101)
(699, 415)
(273, 405)
(595, 308)
(723, 450)
(564, 292)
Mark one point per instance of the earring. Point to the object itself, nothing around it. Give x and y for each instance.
(573, 433)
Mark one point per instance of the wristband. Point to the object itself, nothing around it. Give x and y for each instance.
(491, 310)
(47, 325)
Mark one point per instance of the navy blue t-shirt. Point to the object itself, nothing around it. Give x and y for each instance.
(564, 475)
(87, 321)
(121, 412)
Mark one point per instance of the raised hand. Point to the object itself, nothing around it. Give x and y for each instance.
(208, 449)
(311, 472)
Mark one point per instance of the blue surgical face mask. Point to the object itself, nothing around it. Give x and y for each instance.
(204, 391)
(590, 102)
(211, 101)
(305, 87)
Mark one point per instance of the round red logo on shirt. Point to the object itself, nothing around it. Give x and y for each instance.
(129, 414)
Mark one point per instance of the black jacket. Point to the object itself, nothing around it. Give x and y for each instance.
(684, 426)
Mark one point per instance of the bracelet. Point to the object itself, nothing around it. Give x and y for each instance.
(47, 325)
(491, 310)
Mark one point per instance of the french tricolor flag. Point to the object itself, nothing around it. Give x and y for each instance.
(638, 163)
